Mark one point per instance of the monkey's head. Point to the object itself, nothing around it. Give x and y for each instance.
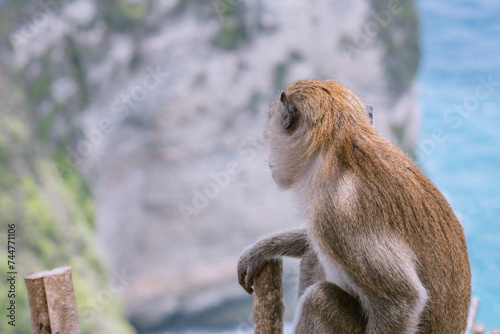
(310, 121)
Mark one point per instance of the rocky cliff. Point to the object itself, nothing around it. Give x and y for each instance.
(160, 106)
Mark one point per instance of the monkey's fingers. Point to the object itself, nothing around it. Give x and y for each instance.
(252, 270)
(242, 279)
(245, 283)
(249, 290)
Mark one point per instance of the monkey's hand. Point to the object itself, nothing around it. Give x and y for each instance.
(249, 265)
(288, 243)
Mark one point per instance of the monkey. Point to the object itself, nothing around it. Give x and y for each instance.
(382, 251)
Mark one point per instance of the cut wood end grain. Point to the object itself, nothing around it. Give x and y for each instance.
(44, 273)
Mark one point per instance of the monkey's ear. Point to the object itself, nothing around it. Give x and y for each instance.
(369, 111)
(290, 115)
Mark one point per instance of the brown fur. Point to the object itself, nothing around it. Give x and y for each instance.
(380, 232)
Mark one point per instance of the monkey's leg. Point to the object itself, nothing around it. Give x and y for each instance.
(310, 271)
(327, 309)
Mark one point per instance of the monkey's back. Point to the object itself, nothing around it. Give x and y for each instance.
(421, 216)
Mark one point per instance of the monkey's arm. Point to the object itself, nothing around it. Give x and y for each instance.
(291, 243)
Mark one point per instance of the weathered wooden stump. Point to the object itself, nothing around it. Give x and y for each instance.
(52, 302)
(268, 306)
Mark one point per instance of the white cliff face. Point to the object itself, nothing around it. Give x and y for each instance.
(172, 147)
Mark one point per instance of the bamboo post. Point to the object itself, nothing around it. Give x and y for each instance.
(52, 302)
(268, 306)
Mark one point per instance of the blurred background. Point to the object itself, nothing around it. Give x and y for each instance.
(131, 147)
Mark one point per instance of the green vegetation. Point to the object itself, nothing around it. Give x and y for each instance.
(399, 131)
(53, 215)
(280, 71)
(402, 55)
(125, 16)
(39, 88)
(230, 34)
(130, 11)
(233, 29)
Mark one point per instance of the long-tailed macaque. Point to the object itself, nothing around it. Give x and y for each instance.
(382, 251)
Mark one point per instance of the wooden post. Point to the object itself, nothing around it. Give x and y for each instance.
(52, 302)
(268, 306)
(40, 322)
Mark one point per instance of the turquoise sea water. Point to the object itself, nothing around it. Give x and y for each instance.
(461, 50)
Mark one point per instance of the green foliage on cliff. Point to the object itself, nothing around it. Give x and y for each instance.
(53, 215)
(401, 39)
